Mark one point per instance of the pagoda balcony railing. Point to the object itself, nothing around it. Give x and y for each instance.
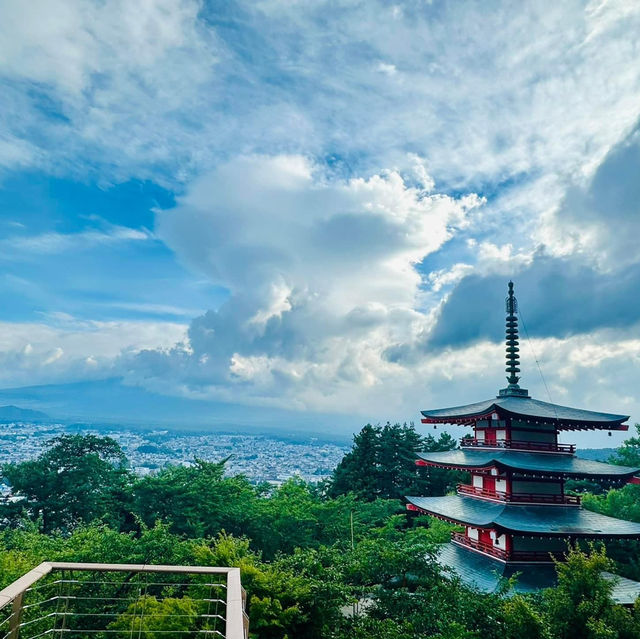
(539, 447)
(518, 498)
(506, 555)
(487, 548)
(82, 600)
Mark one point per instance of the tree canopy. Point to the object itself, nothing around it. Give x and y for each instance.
(382, 464)
(309, 555)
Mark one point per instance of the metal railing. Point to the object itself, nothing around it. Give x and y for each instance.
(78, 600)
(539, 447)
(518, 498)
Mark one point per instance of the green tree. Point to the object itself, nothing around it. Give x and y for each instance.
(79, 478)
(358, 471)
(629, 453)
(382, 463)
(522, 620)
(295, 516)
(148, 618)
(581, 605)
(196, 501)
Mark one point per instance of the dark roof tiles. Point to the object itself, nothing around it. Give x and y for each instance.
(544, 520)
(485, 573)
(535, 463)
(527, 407)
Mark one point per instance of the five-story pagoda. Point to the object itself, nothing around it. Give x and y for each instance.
(515, 512)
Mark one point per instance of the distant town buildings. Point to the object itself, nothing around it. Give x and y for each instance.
(261, 458)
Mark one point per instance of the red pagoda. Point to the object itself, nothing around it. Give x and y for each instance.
(515, 511)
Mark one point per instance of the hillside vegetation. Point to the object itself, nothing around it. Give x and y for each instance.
(307, 552)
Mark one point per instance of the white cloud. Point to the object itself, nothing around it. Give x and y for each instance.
(70, 349)
(55, 243)
(485, 92)
(321, 273)
(388, 69)
(448, 276)
(103, 80)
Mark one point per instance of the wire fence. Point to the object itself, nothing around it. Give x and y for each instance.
(124, 601)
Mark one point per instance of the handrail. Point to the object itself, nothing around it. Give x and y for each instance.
(235, 619)
(506, 555)
(525, 498)
(542, 447)
(482, 546)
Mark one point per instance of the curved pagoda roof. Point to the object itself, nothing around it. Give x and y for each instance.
(527, 409)
(529, 463)
(485, 573)
(538, 520)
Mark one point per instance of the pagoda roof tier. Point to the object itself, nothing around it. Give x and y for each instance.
(527, 409)
(553, 521)
(485, 573)
(528, 463)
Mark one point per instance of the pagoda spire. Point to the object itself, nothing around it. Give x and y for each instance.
(512, 347)
(513, 359)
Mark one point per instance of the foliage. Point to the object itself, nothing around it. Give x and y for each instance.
(77, 480)
(197, 500)
(629, 453)
(581, 605)
(148, 618)
(623, 503)
(306, 557)
(522, 620)
(381, 464)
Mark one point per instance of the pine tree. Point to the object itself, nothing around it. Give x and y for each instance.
(358, 471)
(382, 463)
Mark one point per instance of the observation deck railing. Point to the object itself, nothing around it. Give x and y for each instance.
(518, 498)
(539, 447)
(506, 555)
(81, 600)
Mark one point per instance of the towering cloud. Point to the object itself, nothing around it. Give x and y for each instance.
(321, 274)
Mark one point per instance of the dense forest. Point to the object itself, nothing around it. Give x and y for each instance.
(308, 552)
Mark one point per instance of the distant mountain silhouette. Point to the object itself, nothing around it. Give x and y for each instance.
(110, 401)
(17, 414)
(597, 454)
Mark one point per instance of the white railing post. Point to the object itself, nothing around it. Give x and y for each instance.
(235, 626)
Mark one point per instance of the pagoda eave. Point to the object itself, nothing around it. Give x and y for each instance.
(486, 573)
(527, 410)
(556, 423)
(520, 533)
(525, 520)
(527, 464)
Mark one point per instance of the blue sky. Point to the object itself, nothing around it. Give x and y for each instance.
(316, 206)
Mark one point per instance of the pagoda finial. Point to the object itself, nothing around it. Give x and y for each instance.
(513, 357)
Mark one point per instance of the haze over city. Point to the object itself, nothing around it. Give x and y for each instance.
(304, 215)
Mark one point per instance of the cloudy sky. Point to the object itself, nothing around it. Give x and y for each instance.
(317, 205)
